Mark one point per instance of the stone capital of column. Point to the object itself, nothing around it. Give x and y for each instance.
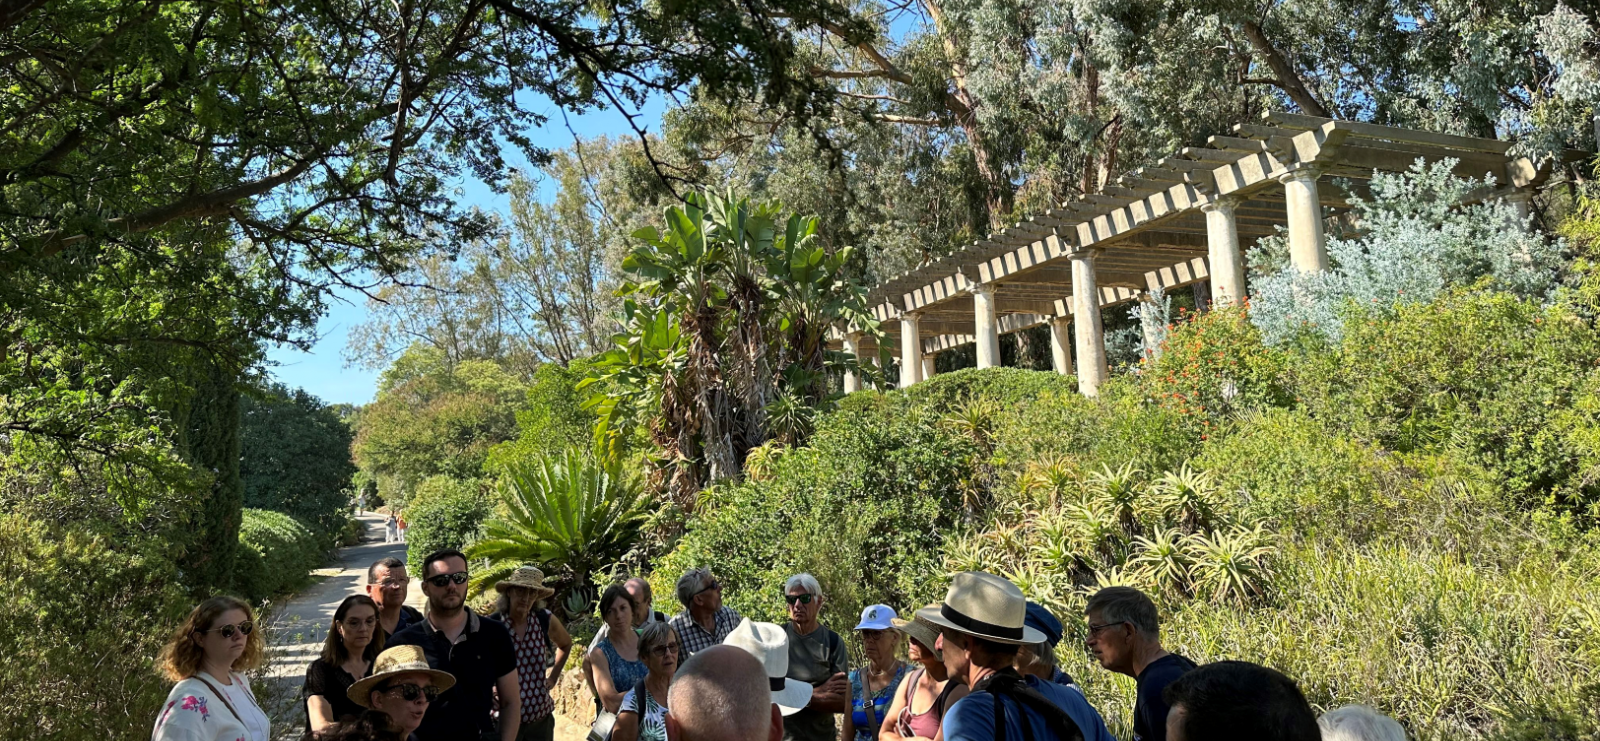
(986, 289)
(1303, 173)
(1224, 204)
(1086, 253)
(911, 315)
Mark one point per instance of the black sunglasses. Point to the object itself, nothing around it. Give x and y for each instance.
(412, 692)
(460, 577)
(228, 630)
(707, 588)
(804, 599)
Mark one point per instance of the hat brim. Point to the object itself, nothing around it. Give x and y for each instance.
(935, 616)
(873, 626)
(923, 633)
(360, 693)
(538, 592)
(793, 698)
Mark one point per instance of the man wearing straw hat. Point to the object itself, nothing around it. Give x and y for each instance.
(534, 631)
(401, 686)
(981, 623)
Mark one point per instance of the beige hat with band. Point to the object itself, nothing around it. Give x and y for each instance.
(394, 661)
(986, 606)
(770, 644)
(924, 632)
(527, 577)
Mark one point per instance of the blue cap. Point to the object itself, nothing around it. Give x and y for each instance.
(877, 617)
(1041, 620)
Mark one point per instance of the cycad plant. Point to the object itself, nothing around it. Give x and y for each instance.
(1232, 566)
(568, 515)
(1187, 498)
(1119, 489)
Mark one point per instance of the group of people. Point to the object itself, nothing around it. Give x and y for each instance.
(394, 528)
(980, 666)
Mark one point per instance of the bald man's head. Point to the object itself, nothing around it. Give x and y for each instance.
(722, 694)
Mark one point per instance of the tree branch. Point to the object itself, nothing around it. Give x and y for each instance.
(1288, 79)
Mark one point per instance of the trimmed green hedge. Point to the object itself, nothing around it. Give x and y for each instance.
(276, 554)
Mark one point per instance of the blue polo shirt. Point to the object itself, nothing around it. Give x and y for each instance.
(483, 654)
(972, 717)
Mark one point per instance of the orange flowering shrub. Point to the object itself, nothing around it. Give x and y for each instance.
(1213, 365)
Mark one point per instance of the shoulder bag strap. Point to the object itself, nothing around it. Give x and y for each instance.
(220, 696)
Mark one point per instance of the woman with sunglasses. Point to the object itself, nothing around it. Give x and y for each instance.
(616, 657)
(873, 687)
(207, 656)
(402, 686)
(353, 643)
(643, 716)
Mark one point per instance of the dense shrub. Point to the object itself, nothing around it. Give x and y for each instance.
(865, 508)
(296, 459)
(276, 554)
(1006, 386)
(1215, 365)
(444, 513)
(553, 419)
(83, 617)
(1119, 426)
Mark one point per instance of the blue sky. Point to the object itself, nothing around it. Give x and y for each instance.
(322, 371)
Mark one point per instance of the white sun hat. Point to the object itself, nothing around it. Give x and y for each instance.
(986, 606)
(770, 645)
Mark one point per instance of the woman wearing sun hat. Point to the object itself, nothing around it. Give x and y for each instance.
(981, 623)
(533, 631)
(207, 656)
(928, 687)
(402, 686)
(873, 687)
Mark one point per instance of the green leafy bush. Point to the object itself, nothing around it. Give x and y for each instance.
(444, 513)
(553, 419)
(296, 459)
(1005, 386)
(1119, 426)
(276, 554)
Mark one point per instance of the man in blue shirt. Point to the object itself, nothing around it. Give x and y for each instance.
(981, 624)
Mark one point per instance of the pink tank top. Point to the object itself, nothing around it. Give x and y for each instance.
(925, 724)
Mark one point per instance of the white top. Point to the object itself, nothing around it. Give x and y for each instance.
(193, 712)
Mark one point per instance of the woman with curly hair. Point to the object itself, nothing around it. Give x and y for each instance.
(207, 656)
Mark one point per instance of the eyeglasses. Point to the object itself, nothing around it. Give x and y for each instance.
(228, 630)
(413, 692)
(1093, 629)
(460, 577)
(662, 651)
(709, 587)
(804, 599)
(389, 583)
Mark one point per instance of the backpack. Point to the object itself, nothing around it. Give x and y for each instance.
(1007, 683)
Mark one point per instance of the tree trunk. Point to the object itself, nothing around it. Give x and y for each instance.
(1288, 79)
(998, 190)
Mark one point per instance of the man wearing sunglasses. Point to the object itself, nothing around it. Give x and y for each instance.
(478, 652)
(818, 657)
(704, 621)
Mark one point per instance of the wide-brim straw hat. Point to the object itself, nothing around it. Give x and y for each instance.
(527, 577)
(394, 661)
(770, 645)
(986, 606)
(924, 632)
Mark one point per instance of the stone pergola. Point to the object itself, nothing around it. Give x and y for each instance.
(1181, 221)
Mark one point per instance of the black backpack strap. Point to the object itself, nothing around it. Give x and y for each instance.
(544, 622)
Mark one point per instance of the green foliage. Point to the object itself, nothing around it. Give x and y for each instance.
(1213, 366)
(568, 515)
(296, 459)
(1004, 386)
(276, 554)
(85, 614)
(444, 513)
(1119, 426)
(212, 439)
(552, 419)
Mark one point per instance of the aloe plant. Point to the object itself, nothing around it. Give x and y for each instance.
(1121, 490)
(1232, 566)
(1163, 559)
(1187, 498)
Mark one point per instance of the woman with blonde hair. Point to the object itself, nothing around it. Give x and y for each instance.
(207, 656)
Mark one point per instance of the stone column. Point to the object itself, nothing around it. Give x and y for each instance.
(1061, 344)
(1092, 369)
(1522, 200)
(987, 322)
(910, 349)
(852, 345)
(1308, 248)
(928, 363)
(1227, 264)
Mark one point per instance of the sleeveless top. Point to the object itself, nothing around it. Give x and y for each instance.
(880, 702)
(926, 723)
(624, 673)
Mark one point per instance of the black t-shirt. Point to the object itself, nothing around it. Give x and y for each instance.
(409, 616)
(485, 654)
(1150, 711)
(332, 683)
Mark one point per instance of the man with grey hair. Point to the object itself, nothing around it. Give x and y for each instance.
(722, 694)
(704, 621)
(818, 657)
(1359, 723)
(1125, 637)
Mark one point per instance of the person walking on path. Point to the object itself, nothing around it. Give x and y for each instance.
(534, 631)
(981, 623)
(478, 652)
(387, 585)
(391, 533)
(873, 687)
(818, 657)
(207, 656)
(704, 622)
(400, 526)
(354, 641)
(1125, 637)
